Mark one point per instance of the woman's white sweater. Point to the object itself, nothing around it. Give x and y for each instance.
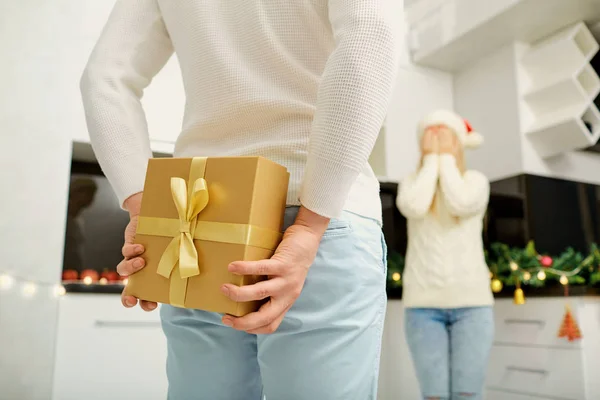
(445, 264)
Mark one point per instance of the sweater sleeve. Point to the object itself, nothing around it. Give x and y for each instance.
(352, 102)
(132, 49)
(417, 190)
(465, 195)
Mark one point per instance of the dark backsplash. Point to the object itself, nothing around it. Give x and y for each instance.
(555, 213)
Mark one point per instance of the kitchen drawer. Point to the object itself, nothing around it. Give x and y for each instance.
(555, 373)
(534, 323)
(105, 351)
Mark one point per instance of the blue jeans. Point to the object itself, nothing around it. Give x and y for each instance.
(450, 350)
(327, 347)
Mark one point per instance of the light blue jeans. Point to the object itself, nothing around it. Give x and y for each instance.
(327, 347)
(450, 350)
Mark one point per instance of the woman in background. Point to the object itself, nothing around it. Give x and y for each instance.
(449, 319)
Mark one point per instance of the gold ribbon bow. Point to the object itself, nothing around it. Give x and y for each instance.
(181, 249)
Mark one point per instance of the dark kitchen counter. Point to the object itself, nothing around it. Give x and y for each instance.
(547, 291)
(393, 293)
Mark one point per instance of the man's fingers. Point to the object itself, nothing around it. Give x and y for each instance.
(259, 291)
(148, 305)
(267, 313)
(128, 301)
(130, 266)
(263, 267)
(272, 327)
(132, 250)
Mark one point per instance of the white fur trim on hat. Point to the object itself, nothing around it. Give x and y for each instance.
(467, 137)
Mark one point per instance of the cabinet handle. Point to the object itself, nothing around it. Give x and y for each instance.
(126, 324)
(525, 321)
(530, 370)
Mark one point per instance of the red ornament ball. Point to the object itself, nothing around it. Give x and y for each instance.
(546, 261)
(70, 275)
(110, 276)
(91, 274)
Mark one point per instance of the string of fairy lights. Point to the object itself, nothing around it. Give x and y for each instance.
(546, 261)
(29, 288)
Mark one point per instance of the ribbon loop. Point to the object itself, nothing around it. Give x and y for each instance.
(181, 251)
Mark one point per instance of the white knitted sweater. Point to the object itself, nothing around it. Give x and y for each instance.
(304, 83)
(445, 264)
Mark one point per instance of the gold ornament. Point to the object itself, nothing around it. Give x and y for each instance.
(513, 265)
(519, 296)
(526, 276)
(396, 276)
(496, 285)
(541, 275)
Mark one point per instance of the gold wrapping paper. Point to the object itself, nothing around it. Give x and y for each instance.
(200, 214)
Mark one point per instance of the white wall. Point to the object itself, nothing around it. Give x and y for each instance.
(44, 46)
(418, 91)
(486, 93)
(36, 119)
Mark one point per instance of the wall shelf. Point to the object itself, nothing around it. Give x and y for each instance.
(560, 86)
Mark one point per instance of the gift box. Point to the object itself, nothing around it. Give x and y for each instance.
(197, 216)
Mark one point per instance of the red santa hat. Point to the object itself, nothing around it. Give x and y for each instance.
(465, 133)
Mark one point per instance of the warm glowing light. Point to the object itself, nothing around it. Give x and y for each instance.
(526, 276)
(564, 280)
(88, 280)
(6, 281)
(29, 289)
(541, 275)
(125, 281)
(514, 266)
(396, 276)
(59, 290)
(103, 281)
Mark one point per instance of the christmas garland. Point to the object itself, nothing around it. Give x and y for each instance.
(513, 267)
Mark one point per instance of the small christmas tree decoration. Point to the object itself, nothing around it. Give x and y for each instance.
(519, 297)
(564, 280)
(496, 285)
(526, 276)
(513, 265)
(541, 275)
(569, 328)
(546, 261)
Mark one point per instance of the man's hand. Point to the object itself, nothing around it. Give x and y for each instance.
(132, 262)
(286, 272)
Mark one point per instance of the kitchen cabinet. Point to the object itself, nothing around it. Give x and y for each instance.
(527, 361)
(105, 351)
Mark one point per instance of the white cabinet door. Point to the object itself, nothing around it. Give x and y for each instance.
(105, 351)
(534, 323)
